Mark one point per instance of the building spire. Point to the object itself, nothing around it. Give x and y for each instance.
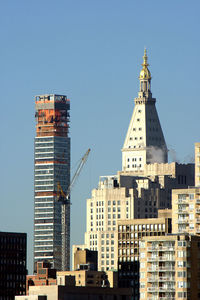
(145, 58)
(145, 73)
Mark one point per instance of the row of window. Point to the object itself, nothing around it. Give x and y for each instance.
(134, 159)
(107, 249)
(134, 166)
(107, 255)
(107, 262)
(141, 227)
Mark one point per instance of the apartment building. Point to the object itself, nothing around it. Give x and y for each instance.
(170, 267)
(130, 233)
(52, 169)
(197, 164)
(186, 210)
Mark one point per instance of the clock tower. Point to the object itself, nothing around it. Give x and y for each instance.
(144, 142)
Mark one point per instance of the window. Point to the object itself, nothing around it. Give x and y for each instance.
(182, 274)
(142, 254)
(191, 216)
(181, 253)
(191, 196)
(191, 226)
(182, 284)
(142, 275)
(191, 206)
(181, 264)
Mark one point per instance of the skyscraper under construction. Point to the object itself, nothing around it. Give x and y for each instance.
(52, 169)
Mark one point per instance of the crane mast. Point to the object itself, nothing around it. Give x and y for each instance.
(64, 199)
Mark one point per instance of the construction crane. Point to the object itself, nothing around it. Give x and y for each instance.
(64, 199)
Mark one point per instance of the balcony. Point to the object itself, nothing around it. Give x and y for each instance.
(153, 289)
(149, 259)
(166, 289)
(150, 249)
(198, 211)
(182, 201)
(152, 269)
(166, 278)
(161, 279)
(161, 258)
(167, 268)
(152, 279)
(161, 298)
(162, 248)
(183, 221)
(182, 211)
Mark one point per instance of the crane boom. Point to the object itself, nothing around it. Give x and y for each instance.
(64, 199)
(78, 170)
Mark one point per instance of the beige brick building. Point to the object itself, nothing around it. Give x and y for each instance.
(89, 278)
(142, 187)
(197, 164)
(170, 267)
(186, 210)
(130, 233)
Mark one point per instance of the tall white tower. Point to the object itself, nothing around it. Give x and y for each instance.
(144, 142)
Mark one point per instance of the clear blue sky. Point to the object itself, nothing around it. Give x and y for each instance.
(91, 51)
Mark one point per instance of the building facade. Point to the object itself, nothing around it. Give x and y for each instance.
(130, 233)
(186, 210)
(142, 187)
(13, 250)
(45, 276)
(144, 142)
(197, 164)
(60, 292)
(170, 267)
(52, 169)
(85, 259)
(89, 278)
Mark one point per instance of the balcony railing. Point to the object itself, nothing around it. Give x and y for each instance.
(163, 248)
(161, 258)
(183, 221)
(182, 201)
(159, 289)
(182, 211)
